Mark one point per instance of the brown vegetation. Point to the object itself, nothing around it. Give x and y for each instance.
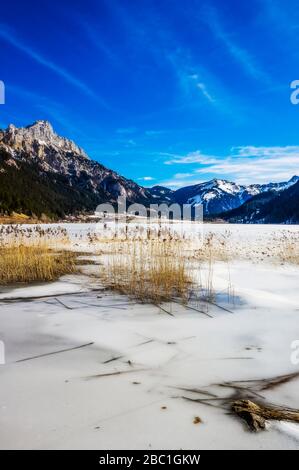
(288, 249)
(33, 262)
(148, 270)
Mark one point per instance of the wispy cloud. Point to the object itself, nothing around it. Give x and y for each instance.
(196, 85)
(146, 178)
(129, 143)
(9, 36)
(252, 151)
(124, 142)
(95, 39)
(190, 158)
(178, 176)
(237, 52)
(256, 164)
(192, 78)
(203, 88)
(246, 165)
(155, 37)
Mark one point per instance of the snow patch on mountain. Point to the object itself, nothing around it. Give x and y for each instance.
(219, 195)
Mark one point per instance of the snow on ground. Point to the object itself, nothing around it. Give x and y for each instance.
(243, 238)
(63, 400)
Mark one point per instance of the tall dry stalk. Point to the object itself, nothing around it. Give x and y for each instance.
(148, 270)
(33, 261)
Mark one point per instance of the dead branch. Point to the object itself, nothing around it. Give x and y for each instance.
(280, 380)
(264, 384)
(256, 415)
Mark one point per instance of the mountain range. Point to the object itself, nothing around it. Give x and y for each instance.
(218, 196)
(274, 207)
(42, 173)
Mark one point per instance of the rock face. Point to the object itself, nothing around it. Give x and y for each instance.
(38, 137)
(38, 144)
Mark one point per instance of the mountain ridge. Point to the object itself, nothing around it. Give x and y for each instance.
(44, 173)
(38, 147)
(219, 195)
(268, 207)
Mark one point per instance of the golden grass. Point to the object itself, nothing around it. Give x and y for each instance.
(33, 262)
(148, 271)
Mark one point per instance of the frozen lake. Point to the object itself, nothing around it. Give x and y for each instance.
(87, 368)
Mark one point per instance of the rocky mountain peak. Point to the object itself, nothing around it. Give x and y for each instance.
(64, 167)
(38, 138)
(37, 130)
(41, 129)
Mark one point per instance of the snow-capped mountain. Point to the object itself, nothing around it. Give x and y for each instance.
(276, 207)
(218, 196)
(161, 193)
(43, 173)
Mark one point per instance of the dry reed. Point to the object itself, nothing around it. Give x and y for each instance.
(148, 271)
(288, 249)
(29, 262)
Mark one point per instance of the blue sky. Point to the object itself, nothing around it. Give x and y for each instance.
(164, 92)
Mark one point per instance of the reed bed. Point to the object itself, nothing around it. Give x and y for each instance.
(148, 271)
(33, 262)
(288, 249)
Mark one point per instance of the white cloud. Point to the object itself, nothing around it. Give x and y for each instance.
(252, 151)
(182, 175)
(238, 53)
(192, 157)
(193, 77)
(205, 92)
(127, 143)
(146, 178)
(246, 165)
(8, 35)
(257, 164)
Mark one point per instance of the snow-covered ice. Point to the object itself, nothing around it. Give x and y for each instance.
(71, 400)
